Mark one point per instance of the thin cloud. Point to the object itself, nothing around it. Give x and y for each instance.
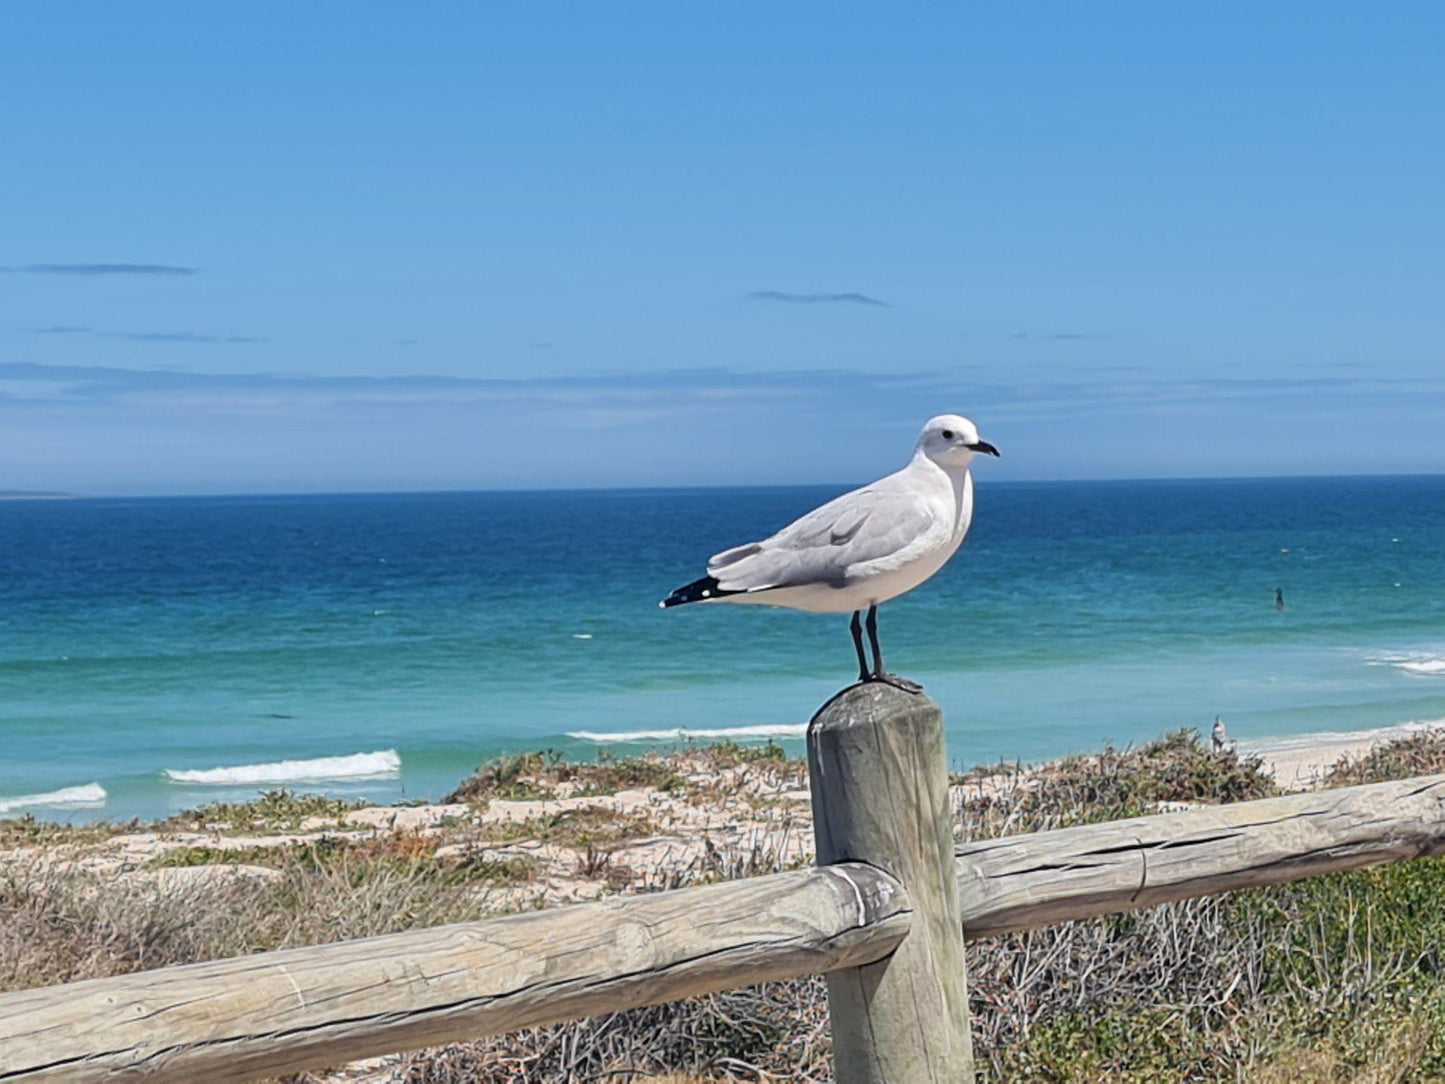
(1056, 337)
(818, 299)
(624, 398)
(143, 336)
(178, 337)
(674, 391)
(107, 269)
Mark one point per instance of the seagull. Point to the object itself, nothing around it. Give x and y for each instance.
(863, 548)
(1219, 737)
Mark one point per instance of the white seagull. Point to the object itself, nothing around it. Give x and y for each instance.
(862, 548)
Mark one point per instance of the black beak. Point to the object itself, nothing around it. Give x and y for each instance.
(983, 446)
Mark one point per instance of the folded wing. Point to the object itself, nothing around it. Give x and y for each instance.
(879, 526)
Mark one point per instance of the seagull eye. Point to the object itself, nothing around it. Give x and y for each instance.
(947, 434)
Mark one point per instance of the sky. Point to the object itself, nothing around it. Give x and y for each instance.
(358, 246)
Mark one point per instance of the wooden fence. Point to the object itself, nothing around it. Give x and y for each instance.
(884, 916)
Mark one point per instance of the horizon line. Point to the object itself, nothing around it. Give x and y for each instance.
(20, 495)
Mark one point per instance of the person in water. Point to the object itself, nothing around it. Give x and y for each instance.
(1279, 598)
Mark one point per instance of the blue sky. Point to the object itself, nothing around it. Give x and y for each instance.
(365, 246)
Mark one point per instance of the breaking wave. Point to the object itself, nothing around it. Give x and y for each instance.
(90, 794)
(1412, 664)
(357, 766)
(682, 733)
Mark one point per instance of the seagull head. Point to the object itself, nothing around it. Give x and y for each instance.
(951, 441)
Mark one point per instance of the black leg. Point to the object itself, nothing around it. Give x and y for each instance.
(873, 640)
(879, 674)
(857, 631)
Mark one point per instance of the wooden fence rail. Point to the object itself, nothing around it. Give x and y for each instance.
(281, 1012)
(1023, 882)
(877, 922)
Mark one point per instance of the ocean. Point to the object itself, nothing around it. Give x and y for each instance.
(160, 653)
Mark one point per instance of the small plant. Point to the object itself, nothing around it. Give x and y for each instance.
(536, 776)
(594, 861)
(513, 778)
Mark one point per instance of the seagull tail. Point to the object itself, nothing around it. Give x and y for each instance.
(703, 590)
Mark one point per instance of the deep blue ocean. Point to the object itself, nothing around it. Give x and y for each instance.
(168, 652)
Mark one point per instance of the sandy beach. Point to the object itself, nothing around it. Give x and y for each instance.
(579, 841)
(1298, 763)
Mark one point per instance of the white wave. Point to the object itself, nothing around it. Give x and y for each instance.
(682, 733)
(90, 794)
(1423, 666)
(1412, 664)
(357, 766)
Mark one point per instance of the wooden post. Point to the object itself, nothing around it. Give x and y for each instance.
(879, 780)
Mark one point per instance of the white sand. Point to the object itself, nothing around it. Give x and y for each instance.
(1300, 762)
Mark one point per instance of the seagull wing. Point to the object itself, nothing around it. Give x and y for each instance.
(879, 526)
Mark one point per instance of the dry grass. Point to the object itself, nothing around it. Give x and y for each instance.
(1397, 1059)
(61, 924)
(399, 856)
(773, 1032)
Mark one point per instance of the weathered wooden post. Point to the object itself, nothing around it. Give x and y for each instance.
(879, 779)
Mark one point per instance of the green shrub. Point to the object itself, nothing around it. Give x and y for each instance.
(1421, 753)
(274, 810)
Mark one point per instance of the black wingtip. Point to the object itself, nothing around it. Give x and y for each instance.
(697, 591)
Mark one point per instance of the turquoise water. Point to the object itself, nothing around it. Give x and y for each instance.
(141, 640)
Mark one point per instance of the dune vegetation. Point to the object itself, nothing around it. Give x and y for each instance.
(1339, 978)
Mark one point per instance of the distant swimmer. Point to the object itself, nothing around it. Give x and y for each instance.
(1218, 735)
(1279, 598)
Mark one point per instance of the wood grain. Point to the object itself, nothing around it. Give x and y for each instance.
(879, 781)
(1023, 882)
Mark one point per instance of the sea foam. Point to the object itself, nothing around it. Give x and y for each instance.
(357, 766)
(679, 733)
(89, 794)
(1422, 666)
(1412, 664)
